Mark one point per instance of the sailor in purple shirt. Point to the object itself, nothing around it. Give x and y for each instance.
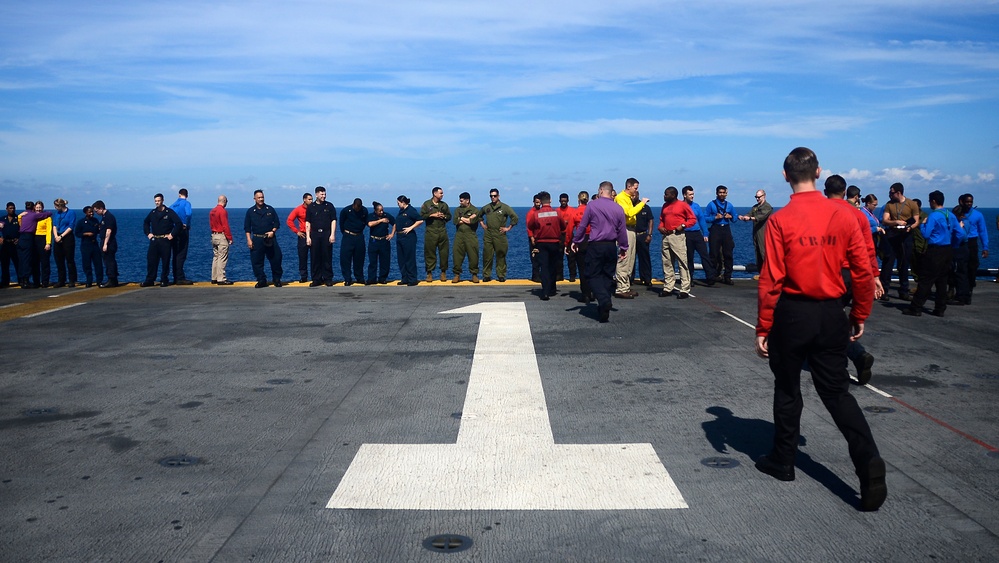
(608, 243)
(26, 245)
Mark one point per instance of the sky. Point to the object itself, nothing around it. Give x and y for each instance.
(119, 100)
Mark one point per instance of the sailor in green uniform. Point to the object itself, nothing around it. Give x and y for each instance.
(435, 214)
(466, 241)
(498, 219)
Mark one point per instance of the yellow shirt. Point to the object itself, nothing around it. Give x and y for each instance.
(630, 209)
(45, 228)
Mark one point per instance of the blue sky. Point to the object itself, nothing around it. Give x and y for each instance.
(119, 100)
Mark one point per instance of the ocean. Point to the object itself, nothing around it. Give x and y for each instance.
(132, 247)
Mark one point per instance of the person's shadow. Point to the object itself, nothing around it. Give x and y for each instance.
(754, 437)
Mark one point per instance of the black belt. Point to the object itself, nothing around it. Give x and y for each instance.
(603, 242)
(379, 238)
(218, 232)
(260, 236)
(807, 299)
(350, 233)
(160, 236)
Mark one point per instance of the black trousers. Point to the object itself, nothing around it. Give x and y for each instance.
(405, 246)
(580, 258)
(934, 267)
(379, 259)
(111, 261)
(90, 255)
(722, 246)
(817, 332)
(643, 259)
(695, 241)
(303, 259)
(550, 260)
(257, 254)
(179, 246)
(322, 257)
(158, 255)
(8, 257)
(601, 264)
(28, 272)
(65, 258)
(44, 260)
(352, 257)
(896, 250)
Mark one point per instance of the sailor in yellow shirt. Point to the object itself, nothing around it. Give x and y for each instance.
(626, 199)
(43, 245)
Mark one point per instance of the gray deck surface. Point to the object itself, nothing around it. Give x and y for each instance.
(276, 390)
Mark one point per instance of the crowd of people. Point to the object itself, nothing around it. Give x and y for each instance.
(906, 238)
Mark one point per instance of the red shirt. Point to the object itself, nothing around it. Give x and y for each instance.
(572, 221)
(808, 241)
(532, 213)
(546, 224)
(297, 213)
(218, 219)
(676, 214)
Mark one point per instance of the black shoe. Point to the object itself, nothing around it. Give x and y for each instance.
(58, 285)
(683, 295)
(348, 283)
(329, 283)
(214, 282)
(164, 284)
(873, 490)
(709, 283)
(89, 285)
(912, 312)
(665, 293)
(183, 282)
(604, 314)
(727, 281)
(411, 284)
(277, 283)
(544, 297)
(146, 283)
(109, 285)
(957, 302)
(224, 282)
(884, 297)
(501, 279)
(382, 282)
(624, 295)
(369, 282)
(863, 365)
(486, 278)
(401, 283)
(938, 312)
(904, 296)
(260, 284)
(315, 283)
(303, 280)
(780, 472)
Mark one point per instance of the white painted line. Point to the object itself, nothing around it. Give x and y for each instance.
(738, 319)
(10, 305)
(506, 457)
(51, 310)
(878, 391)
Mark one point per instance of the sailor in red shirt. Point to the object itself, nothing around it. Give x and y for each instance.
(564, 213)
(674, 219)
(835, 190)
(578, 256)
(218, 220)
(801, 319)
(298, 214)
(547, 226)
(535, 264)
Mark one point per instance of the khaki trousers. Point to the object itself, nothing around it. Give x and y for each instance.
(675, 248)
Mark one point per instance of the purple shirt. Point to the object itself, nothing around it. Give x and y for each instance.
(606, 221)
(30, 219)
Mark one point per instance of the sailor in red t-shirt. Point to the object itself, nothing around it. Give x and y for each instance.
(801, 319)
(674, 219)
